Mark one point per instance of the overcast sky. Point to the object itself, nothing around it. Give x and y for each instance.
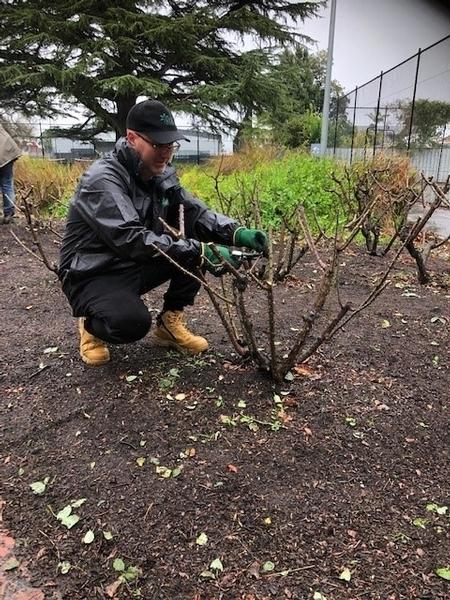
(375, 35)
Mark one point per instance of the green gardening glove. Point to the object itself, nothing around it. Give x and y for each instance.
(213, 263)
(255, 239)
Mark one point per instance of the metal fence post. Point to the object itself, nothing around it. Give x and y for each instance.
(413, 101)
(41, 140)
(384, 127)
(336, 126)
(440, 153)
(353, 125)
(377, 115)
(198, 146)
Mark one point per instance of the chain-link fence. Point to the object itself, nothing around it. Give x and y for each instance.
(40, 141)
(404, 110)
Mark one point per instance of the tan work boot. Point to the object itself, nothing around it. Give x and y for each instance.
(92, 350)
(172, 333)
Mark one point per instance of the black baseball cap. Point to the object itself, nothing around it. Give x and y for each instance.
(155, 120)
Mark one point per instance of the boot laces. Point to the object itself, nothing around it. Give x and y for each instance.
(176, 318)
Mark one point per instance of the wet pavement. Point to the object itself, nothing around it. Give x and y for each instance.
(439, 221)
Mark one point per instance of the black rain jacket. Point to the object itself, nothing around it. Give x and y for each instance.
(113, 220)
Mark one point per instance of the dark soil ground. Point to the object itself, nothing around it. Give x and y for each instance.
(343, 484)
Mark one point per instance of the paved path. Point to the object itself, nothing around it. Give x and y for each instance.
(439, 221)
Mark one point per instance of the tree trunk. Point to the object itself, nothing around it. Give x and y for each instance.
(245, 124)
(422, 273)
(124, 104)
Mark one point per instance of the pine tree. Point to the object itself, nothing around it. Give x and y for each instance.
(104, 54)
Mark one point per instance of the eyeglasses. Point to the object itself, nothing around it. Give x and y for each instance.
(174, 147)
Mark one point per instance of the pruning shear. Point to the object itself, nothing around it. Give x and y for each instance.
(240, 256)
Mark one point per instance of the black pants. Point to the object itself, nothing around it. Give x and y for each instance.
(112, 304)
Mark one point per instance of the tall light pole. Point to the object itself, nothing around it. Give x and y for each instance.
(326, 96)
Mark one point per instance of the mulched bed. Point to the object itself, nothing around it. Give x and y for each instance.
(343, 484)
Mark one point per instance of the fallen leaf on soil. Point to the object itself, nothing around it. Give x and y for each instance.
(307, 371)
(177, 471)
(433, 507)
(78, 503)
(67, 518)
(419, 522)
(64, 567)
(51, 350)
(39, 487)
(164, 472)
(119, 565)
(89, 537)
(207, 574)
(345, 575)
(11, 564)
(202, 539)
(216, 565)
(232, 468)
(444, 573)
(285, 418)
(113, 587)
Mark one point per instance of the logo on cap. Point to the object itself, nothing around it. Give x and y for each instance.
(166, 119)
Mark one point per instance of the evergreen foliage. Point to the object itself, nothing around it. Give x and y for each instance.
(430, 120)
(104, 54)
(292, 109)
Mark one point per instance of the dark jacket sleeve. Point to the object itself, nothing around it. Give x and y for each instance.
(103, 202)
(201, 223)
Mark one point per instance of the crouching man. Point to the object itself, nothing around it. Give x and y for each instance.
(114, 239)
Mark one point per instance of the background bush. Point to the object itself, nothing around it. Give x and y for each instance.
(51, 183)
(278, 183)
(275, 178)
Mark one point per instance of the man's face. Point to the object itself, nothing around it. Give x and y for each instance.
(154, 157)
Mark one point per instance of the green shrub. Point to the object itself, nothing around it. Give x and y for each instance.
(301, 130)
(279, 185)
